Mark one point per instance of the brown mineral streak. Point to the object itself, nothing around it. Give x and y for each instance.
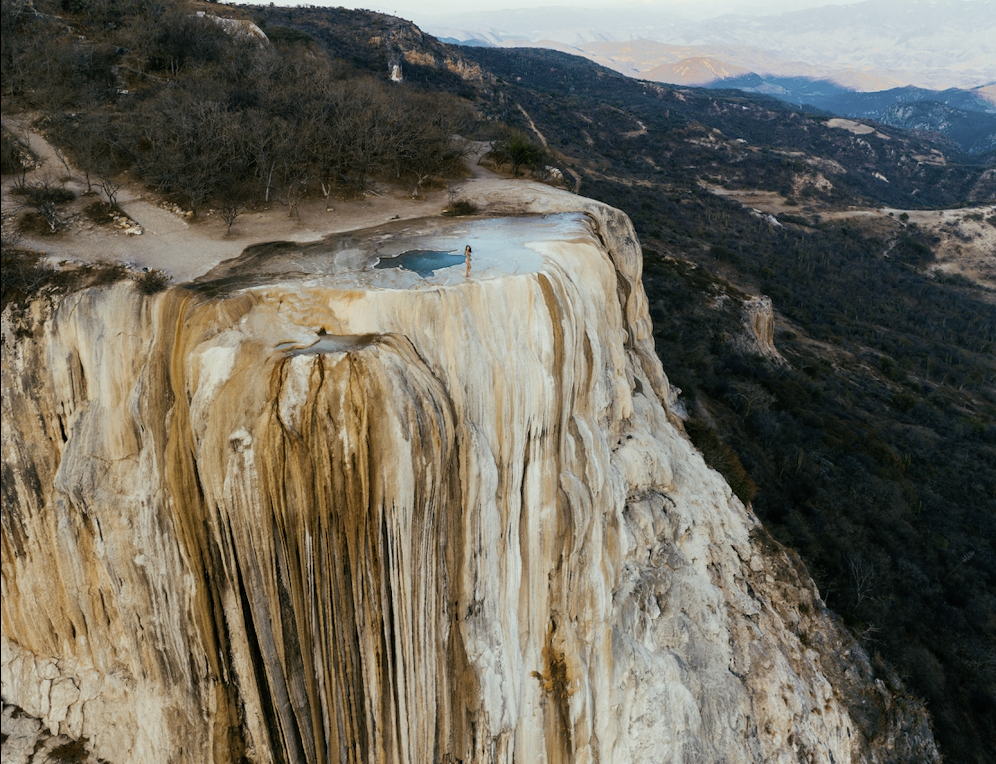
(190, 513)
(392, 526)
(362, 592)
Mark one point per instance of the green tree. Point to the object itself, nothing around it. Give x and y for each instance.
(522, 152)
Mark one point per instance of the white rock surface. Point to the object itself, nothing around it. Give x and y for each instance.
(465, 530)
(26, 741)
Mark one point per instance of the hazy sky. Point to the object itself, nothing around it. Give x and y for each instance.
(425, 10)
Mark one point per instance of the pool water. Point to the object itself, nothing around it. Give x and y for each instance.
(424, 262)
(407, 254)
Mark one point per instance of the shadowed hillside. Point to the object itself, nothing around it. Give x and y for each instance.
(872, 450)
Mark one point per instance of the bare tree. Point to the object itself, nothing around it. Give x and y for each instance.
(295, 174)
(188, 151)
(749, 396)
(290, 89)
(45, 198)
(265, 139)
(110, 185)
(232, 200)
(863, 578)
(180, 40)
(230, 211)
(16, 159)
(325, 145)
(20, 45)
(83, 134)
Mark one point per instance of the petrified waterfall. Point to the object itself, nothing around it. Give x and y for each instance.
(308, 510)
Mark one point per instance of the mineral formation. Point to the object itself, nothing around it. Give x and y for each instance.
(308, 510)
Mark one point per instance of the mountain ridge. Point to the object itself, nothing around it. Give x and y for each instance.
(857, 419)
(965, 117)
(953, 39)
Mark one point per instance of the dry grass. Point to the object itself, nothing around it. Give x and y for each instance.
(460, 207)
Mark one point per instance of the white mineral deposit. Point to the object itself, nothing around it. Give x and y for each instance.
(305, 509)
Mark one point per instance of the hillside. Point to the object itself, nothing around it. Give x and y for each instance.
(859, 427)
(852, 60)
(200, 109)
(873, 451)
(964, 117)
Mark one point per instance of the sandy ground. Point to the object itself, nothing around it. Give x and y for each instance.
(967, 242)
(186, 248)
(765, 201)
(858, 128)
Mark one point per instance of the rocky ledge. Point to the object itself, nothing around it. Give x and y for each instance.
(310, 509)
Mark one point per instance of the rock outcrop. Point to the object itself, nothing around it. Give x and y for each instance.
(277, 516)
(758, 335)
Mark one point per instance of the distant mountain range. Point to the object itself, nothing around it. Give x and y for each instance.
(917, 64)
(966, 117)
(871, 45)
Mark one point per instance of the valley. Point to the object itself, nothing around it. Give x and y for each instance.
(848, 61)
(963, 242)
(731, 430)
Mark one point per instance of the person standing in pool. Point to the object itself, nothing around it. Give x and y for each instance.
(466, 254)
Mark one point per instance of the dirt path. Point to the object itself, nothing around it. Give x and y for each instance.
(532, 126)
(187, 248)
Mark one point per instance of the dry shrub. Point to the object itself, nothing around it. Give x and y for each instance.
(102, 213)
(38, 194)
(104, 274)
(35, 224)
(15, 158)
(461, 207)
(25, 275)
(152, 281)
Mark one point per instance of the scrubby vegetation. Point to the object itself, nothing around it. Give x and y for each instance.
(15, 158)
(22, 274)
(25, 275)
(875, 458)
(102, 213)
(45, 199)
(202, 110)
(592, 118)
(152, 281)
(460, 207)
(518, 151)
(874, 451)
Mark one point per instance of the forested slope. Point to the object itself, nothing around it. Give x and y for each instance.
(873, 452)
(200, 107)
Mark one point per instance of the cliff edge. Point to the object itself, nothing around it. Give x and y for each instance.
(313, 508)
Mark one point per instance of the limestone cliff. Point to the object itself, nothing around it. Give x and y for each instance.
(308, 510)
(758, 336)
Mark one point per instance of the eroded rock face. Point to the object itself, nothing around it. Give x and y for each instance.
(758, 336)
(452, 522)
